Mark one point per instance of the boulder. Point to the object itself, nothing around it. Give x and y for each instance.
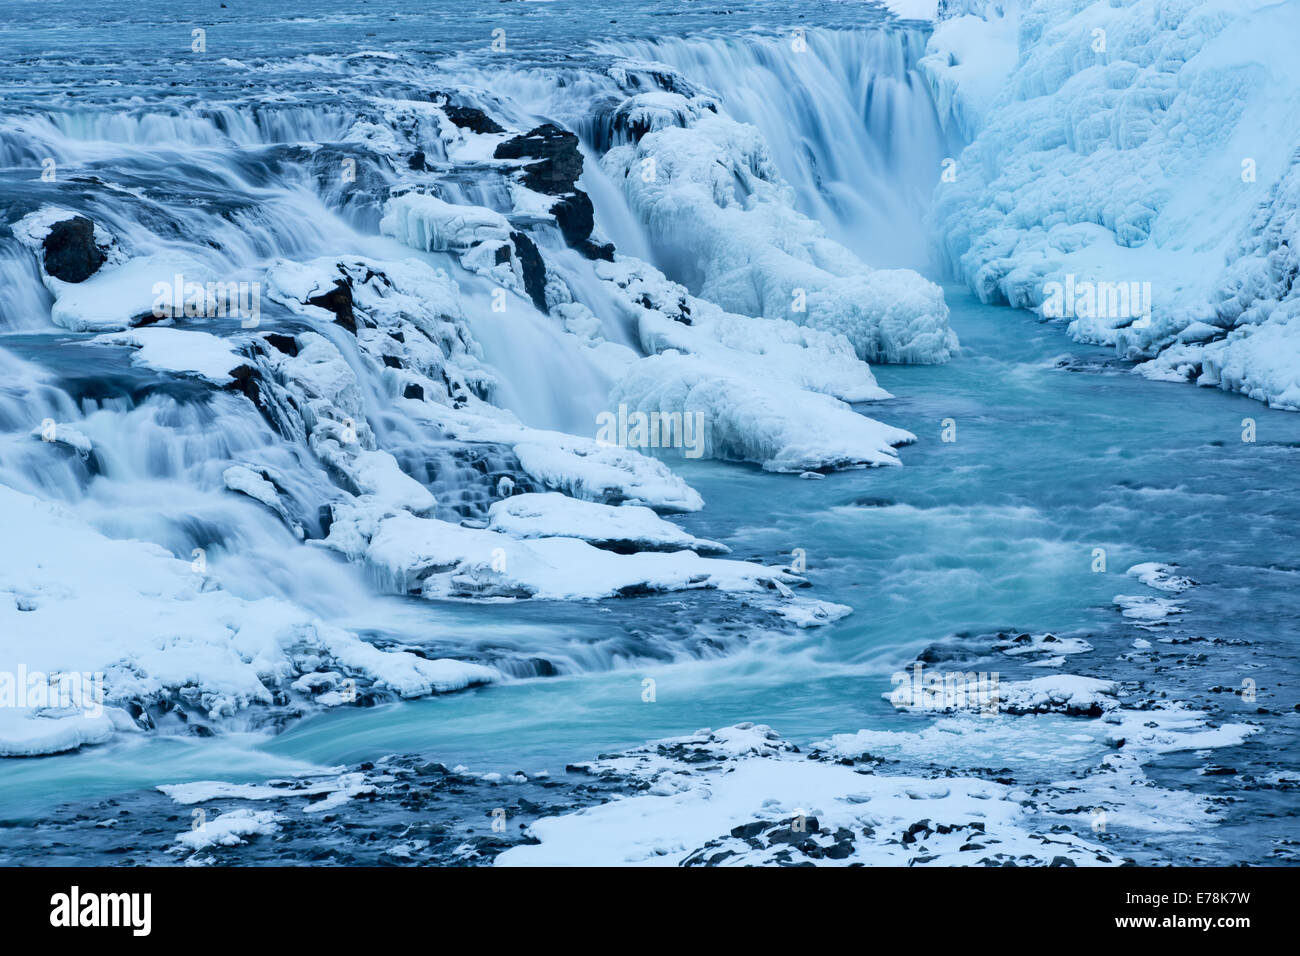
(70, 250)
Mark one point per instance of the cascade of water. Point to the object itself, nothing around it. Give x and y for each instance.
(233, 186)
(849, 121)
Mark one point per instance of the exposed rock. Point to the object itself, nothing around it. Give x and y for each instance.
(70, 250)
(468, 117)
(339, 301)
(284, 343)
(533, 267)
(559, 163)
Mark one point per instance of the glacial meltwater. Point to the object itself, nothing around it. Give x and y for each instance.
(1042, 470)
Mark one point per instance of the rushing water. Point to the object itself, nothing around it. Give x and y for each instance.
(1058, 450)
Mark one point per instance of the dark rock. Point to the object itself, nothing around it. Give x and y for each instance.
(417, 162)
(245, 381)
(70, 250)
(284, 343)
(413, 390)
(148, 318)
(470, 117)
(339, 301)
(559, 163)
(599, 250)
(392, 361)
(575, 216)
(921, 827)
(748, 831)
(542, 667)
(533, 268)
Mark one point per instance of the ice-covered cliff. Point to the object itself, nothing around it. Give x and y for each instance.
(1131, 173)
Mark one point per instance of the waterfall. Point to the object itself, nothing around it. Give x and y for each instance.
(227, 186)
(847, 117)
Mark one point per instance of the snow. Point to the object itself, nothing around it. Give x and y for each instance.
(784, 430)
(711, 796)
(767, 349)
(1146, 610)
(579, 467)
(439, 559)
(912, 9)
(1134, 143)
(30, 732)
(153, 626)
(629, 527)
(115, 295)
(1162, 577)
(1059, 693)
(767, 391)
(64, 434)
(967, 61)
(229, 829)
(178, 350)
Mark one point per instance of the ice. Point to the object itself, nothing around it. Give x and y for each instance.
(426, 222)
(630, 527)
(1138, 154)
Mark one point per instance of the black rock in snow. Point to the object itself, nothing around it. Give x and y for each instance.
(560, 162)
(468, 117)
(533, 268)
(339, 301)
(555, 171)
(70, 250)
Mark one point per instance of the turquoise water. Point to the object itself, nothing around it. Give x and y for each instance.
(994, 530)
(1058, 449)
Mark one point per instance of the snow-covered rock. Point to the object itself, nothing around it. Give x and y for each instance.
(184, 351)
(743, 796)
